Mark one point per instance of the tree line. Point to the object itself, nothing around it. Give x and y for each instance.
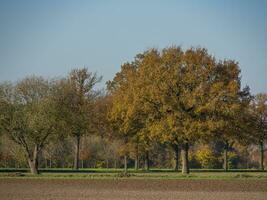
(171, 97)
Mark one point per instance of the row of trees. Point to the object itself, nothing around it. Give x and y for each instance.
(98, 152)
(35, 111)
(173, 97)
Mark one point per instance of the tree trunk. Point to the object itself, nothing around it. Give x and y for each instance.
(176, 151)
(115, 164)
(185, 160)
(247, 158)
(33, 160)
(107, 163)
(136, 163)
(225, 157)
(125, 164)
(46, 165)
(94, 164)
(77, 153)
(33, 166)
(147, 163)
(261, 156)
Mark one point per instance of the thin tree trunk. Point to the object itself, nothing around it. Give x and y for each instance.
(107, 163)
(94, 164)
(46, 165)
(77, 153)
(136, 164)
(147, 163)
(125, 164)
(176, 151)
(261, 156)
(185, 160)
(115, 164)
(247, 159)
(225, 157)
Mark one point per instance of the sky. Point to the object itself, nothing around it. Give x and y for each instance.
(51, 37)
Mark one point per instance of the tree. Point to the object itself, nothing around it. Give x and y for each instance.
(259, 109)
(174, 95)
(28, 116)
(206, 157)
(101, 106)
(102, 126)
(174, 90)
(75, 99)
(230, 109)
(127, 115)
(117, 115)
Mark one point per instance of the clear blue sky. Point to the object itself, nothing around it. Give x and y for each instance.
(51, 37)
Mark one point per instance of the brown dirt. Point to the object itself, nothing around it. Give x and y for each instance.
(48, 189)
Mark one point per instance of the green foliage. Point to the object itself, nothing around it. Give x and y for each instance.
(28, 117)
(233, 159)
(100, 164)
(259, 115)
(75, 98)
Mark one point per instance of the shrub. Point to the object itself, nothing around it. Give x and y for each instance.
(206, 157)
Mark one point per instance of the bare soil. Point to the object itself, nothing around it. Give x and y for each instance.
(49, 189)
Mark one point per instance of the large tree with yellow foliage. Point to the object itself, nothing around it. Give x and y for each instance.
(127, 114)
(178, 97)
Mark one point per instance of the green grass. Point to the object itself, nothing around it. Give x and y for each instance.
(132, 174)
(113, 170)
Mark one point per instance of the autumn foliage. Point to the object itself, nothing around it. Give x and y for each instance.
(171, 97)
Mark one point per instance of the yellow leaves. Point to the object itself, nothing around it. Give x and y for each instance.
(176, 94)
(206, 156)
